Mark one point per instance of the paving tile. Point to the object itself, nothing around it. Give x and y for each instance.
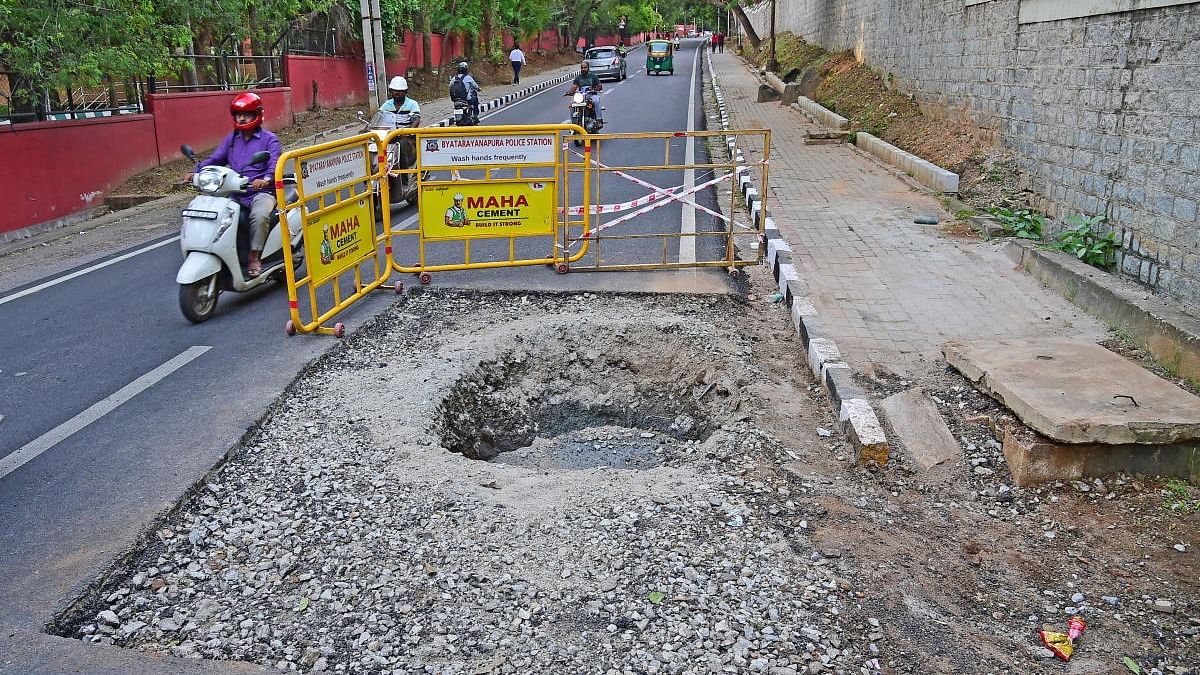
(849, 222)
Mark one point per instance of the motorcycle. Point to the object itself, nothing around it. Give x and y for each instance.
(464, 113)
(216, 243)
(401, 154)
(583, 112)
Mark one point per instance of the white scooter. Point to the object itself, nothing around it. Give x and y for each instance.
(209, 239)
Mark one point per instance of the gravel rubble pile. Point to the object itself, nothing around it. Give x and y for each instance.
(345, 538)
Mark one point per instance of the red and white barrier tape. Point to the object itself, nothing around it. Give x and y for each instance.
(647, 209)
(623, 206)
(660, 191)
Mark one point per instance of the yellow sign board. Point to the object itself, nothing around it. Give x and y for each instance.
(475, 210)
(339, 239)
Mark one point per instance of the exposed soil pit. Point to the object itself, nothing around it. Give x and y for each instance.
(542, 407)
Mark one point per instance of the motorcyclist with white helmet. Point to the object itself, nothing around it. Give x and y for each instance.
(408, 111)
(408, 114)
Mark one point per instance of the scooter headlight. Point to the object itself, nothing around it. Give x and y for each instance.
(209, 181)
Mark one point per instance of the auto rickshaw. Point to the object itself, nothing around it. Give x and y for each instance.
(659, 57)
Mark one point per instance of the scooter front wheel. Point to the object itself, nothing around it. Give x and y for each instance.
(198, 300)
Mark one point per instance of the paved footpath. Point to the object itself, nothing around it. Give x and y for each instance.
(891, 292)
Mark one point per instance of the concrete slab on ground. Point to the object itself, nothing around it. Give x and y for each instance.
(921, 428)
(1033, 459)
(1077, 392)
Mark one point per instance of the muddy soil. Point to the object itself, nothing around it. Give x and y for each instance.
(593, 483)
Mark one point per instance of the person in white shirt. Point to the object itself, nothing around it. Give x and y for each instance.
(517, 58)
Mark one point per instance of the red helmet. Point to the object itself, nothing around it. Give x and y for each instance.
(247, 102)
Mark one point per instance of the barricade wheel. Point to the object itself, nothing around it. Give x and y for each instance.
(289, 328)
(562, 268)
(399, 287)
(425, 278)
(339, 329)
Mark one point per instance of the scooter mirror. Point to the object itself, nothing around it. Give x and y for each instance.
(260, 157)
(187, 152)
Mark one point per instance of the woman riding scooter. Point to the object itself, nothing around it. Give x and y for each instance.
(237, 152)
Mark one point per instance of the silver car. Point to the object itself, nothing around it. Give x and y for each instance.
(606, 62)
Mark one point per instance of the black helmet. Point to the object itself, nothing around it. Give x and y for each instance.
(462, 68)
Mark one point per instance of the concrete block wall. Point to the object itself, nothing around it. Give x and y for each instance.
(1103, 111)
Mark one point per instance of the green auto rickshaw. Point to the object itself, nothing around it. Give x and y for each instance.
(658, 57)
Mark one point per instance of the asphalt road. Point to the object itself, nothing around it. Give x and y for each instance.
(121, 404)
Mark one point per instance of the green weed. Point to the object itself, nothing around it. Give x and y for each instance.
(1179, 498)
(1021, 223)
(1082, 238)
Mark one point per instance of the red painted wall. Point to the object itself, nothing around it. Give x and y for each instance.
(54, 169)
(104, 152)
(201, 119)
(340, 80)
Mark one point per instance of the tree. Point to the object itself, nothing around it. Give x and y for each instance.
(42, 44)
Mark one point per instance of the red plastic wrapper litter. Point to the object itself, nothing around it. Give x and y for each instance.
(1063, 644)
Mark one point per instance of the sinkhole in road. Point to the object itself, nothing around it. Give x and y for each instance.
(577, 409)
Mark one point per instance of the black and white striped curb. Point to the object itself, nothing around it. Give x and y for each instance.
(515, 96)
(854, 411)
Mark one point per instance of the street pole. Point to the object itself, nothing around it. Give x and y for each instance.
(772, 64)
(380, 55)
(369, 56)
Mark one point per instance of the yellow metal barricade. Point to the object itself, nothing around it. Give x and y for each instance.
(344, 243)
(510, 196)
(489, 197)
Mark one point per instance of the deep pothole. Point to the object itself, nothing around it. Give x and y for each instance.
(579, 411)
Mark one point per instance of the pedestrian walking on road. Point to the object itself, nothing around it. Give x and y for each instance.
(721, 42)
(517, 58)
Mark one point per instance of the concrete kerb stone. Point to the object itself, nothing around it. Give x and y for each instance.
(820, 114)
(821, 351)
(839, 381)
(925, 173)
(863, 429)
(855, 413)
(787, 273)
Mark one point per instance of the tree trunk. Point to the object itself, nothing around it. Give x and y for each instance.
(747, 27)
(491, 37)
(427, 41)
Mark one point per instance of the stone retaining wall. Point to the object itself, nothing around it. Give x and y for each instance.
(1102, 111)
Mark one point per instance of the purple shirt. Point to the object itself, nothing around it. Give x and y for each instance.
(235, 152)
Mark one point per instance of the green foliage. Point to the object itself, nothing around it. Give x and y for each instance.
(1082, 238)
(1022, 223)
(41, 41)
(1179, 499)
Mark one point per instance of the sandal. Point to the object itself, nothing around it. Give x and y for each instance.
(253, 269)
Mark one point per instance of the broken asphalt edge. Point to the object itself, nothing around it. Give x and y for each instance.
(854, 410)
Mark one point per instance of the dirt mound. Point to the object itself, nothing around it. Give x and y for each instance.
(874, 103)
